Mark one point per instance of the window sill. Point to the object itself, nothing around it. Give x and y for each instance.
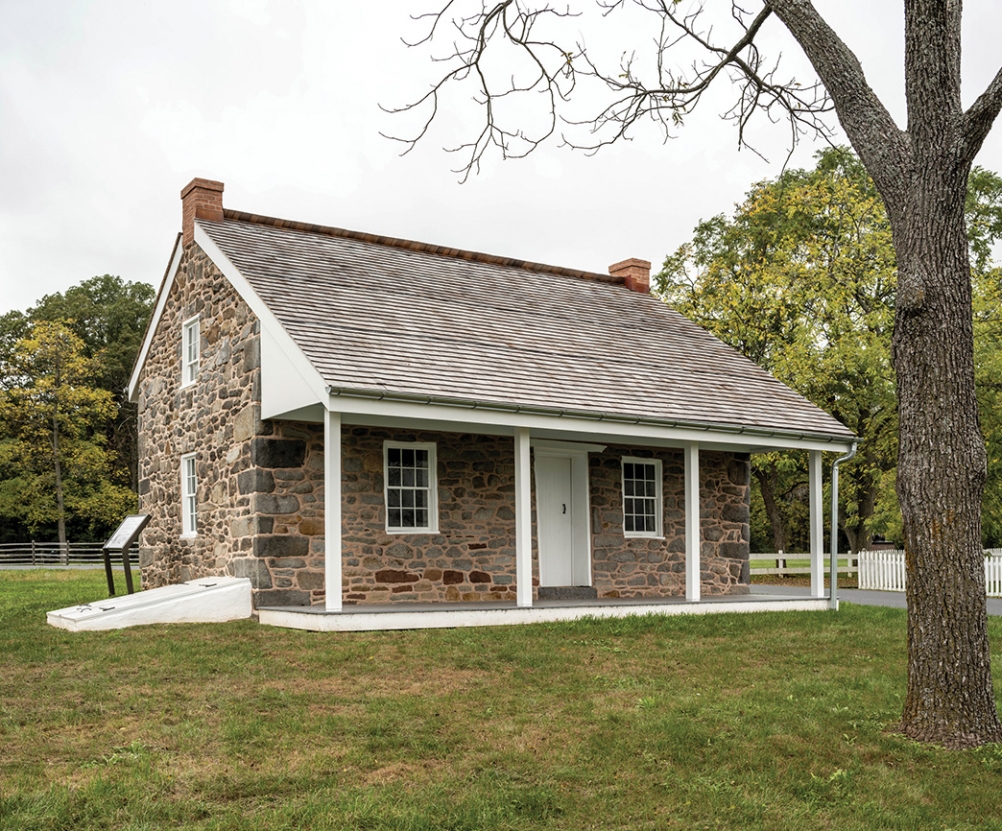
(632, 536)
(399, 531)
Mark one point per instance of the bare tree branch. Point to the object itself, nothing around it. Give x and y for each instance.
(507, 22)
(663, 96)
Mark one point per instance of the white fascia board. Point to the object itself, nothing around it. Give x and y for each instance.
(279, 338)
(151, 329)
(385, 413)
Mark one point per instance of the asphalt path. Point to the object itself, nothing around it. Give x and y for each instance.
(890, 600)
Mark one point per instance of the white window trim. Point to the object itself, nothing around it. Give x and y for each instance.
(431, 447)
(658, 532)
(191, 334)
(189, 499)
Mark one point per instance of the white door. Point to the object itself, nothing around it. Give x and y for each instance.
(555, 521)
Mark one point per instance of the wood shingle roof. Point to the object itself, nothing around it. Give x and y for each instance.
(373, 313)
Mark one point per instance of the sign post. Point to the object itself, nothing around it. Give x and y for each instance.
(128, 532)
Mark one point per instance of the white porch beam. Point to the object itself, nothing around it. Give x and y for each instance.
(692, 530)
(568, 427)
(332, 511)
(523, 519)
(817, 526)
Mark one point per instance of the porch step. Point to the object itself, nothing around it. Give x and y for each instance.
(568, 593)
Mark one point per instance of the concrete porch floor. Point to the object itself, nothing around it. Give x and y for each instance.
(505, 613)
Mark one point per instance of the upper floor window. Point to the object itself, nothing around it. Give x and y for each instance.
(411, 506)
(189, 492)
(190, 336)
(641, 497)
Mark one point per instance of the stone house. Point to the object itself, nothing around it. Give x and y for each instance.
(353, 421)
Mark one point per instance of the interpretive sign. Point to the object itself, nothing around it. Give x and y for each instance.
(123, 538)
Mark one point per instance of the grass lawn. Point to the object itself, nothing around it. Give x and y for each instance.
(743, 721)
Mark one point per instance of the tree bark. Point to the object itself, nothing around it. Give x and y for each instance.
(941, 472)
(921, 174)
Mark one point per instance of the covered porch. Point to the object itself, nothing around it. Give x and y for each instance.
(542, 433)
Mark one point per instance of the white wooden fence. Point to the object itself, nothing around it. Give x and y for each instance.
(885, 571)
(779, 564)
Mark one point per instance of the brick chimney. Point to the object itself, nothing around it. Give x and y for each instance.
(636, 273)
(200, 199)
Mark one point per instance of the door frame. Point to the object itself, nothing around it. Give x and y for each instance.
(577, 452)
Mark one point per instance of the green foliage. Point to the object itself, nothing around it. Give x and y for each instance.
(52, 455)
(988, 380)
(802, 281)
(109, 316)
(106, 317)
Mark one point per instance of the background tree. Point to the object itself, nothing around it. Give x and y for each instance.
(108, 316)
(801, 281)
(921, 173)
(52, 451)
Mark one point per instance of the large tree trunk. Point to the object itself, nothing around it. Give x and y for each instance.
(921, 172)
(941, 469)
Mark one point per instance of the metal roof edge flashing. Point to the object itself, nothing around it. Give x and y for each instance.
(518, 409)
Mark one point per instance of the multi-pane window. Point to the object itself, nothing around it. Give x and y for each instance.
(189, 491)
(189, 351)
(641, 497)
(410, 487)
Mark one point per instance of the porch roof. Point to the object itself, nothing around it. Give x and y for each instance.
(410, 319)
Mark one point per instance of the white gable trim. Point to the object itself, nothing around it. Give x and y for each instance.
(151, 328)
(285, 353)
(272, 332)
(292, 354)
(284, 389)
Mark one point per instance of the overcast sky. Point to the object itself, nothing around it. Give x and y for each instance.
(109, 107)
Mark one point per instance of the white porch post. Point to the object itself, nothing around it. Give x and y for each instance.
(817, 527)
(332, 510)
(523, 519)
(692, 532)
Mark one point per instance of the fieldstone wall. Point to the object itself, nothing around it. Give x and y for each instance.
(285, 480)
(213, 417)
(650, 567)
(473, 555)
(260, 484)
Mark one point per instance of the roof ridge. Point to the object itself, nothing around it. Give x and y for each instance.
(423, 247)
